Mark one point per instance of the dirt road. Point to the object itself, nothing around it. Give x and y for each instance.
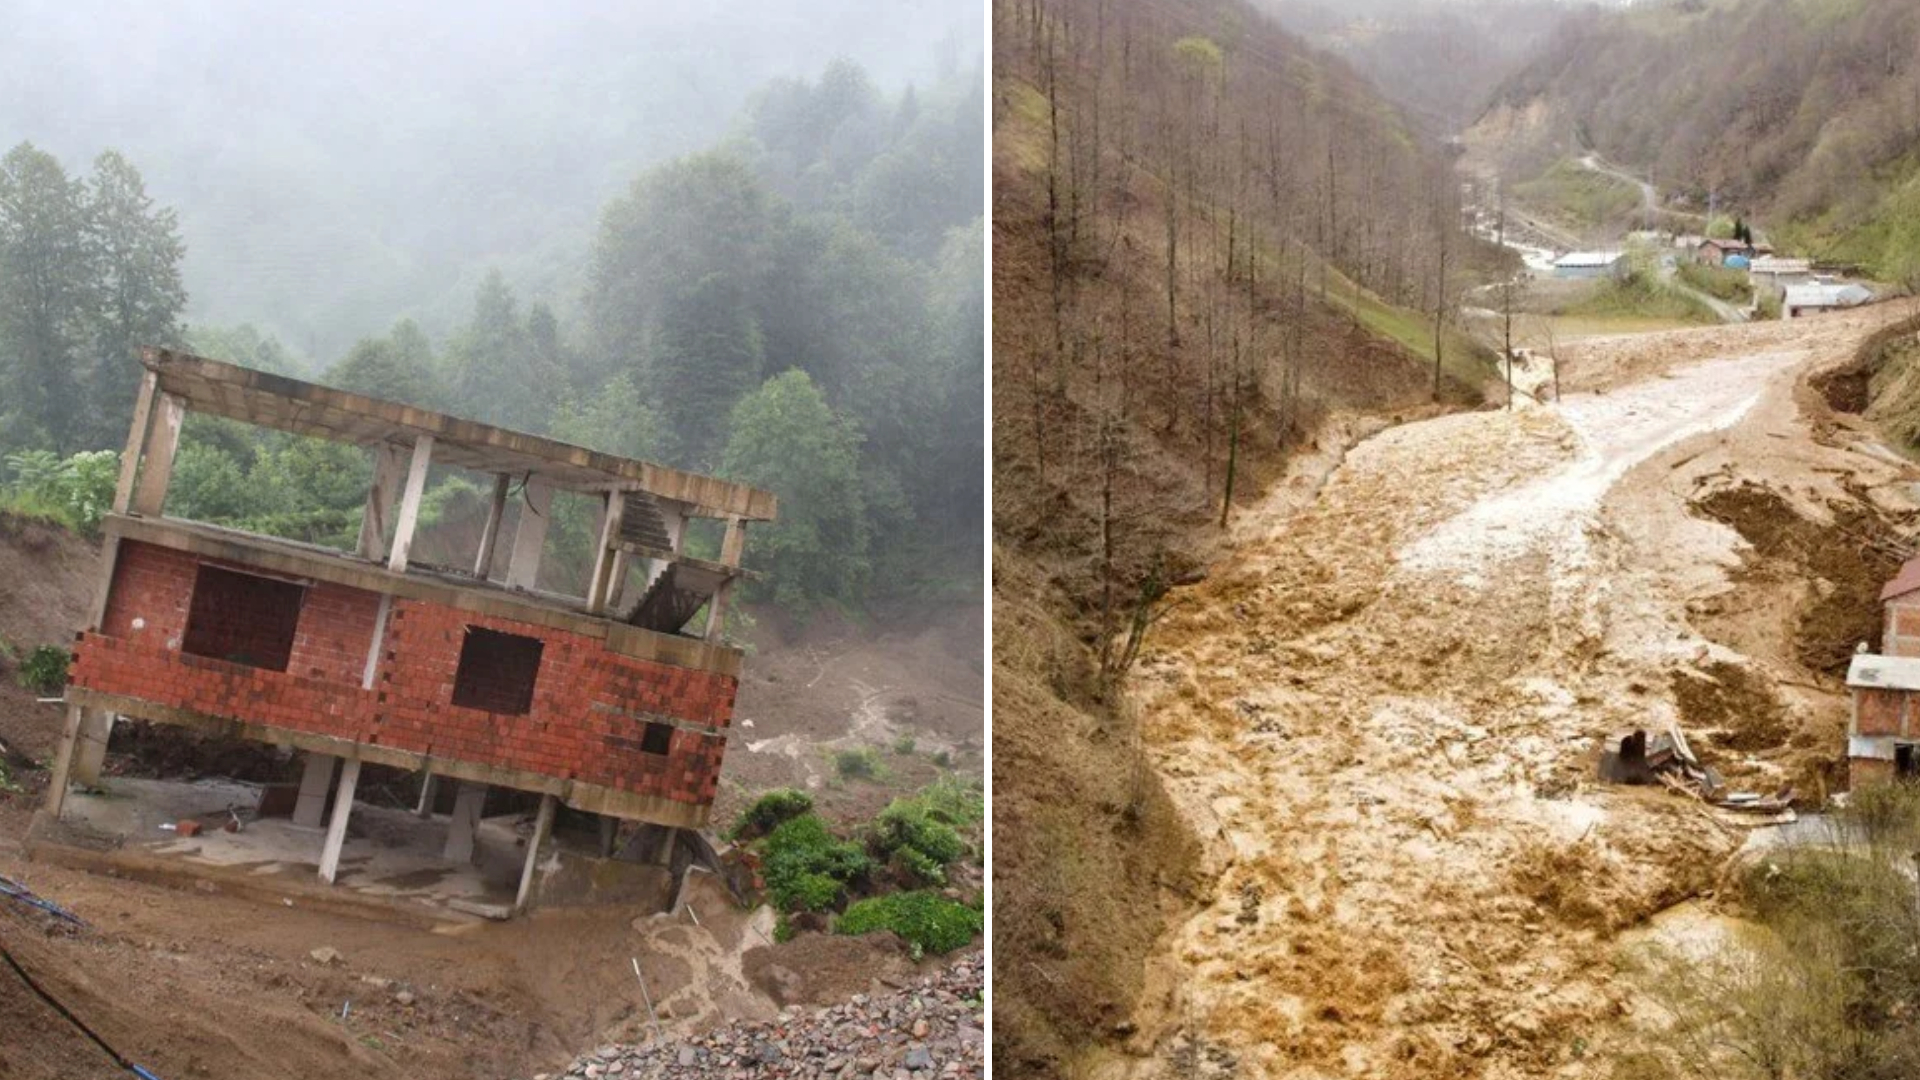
(1380, 715)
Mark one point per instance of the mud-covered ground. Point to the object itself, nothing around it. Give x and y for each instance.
(1381, 714)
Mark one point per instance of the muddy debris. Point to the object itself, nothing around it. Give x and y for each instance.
(934, 1028)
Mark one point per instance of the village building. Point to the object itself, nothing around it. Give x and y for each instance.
(1588, 265)
(1713, 252)
(1822, 296)
(616, 703)
(1885, 726)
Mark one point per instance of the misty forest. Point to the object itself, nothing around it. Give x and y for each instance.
(763, 262)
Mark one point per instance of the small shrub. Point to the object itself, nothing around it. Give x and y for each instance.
(782, 930)
(927, 921)
(943, 759)
(807, 868)
(44, 671)
(768, 812)
(903, 746)
(861, 764)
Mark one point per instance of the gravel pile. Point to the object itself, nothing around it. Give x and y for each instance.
(933, 1030)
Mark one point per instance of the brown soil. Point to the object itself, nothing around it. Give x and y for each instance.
(907, 687)
(1731, 706)
(824, 969)
(1842, 563)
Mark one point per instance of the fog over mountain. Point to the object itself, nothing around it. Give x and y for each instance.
(338, 167)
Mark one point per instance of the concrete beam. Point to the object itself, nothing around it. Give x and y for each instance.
(530, 536)
(337, 827)
(490, 537)
(410, 503)
(542, 829)
(467, 804)
(90, 752)
(311, 805)
(163, 442)
(389, 473)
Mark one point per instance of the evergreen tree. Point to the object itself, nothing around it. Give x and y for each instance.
(785, 438)
(46, 294)
(140, 295)
(378, 367)
(491, 379)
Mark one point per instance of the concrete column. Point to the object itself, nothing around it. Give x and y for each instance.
(600, 582)
(429, 788)
(90, 752)
(311, 805)
(63, 763)
(136, 442)
(410, 503)
(163, 441)
(337, 827)
(490, 537)
(389, 472)
(542, 828)
(467, 804)
(609, 834)
(530, 536)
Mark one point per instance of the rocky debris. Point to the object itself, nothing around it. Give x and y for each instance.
(934, 1029)
(325, 954)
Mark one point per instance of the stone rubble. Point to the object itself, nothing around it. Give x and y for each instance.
(934, 1029)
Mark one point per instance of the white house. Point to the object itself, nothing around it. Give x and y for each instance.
(1803, 300)
(1590, 264)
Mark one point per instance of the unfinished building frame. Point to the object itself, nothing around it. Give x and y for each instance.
(613, 705)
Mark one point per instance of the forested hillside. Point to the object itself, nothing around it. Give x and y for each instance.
(798, 306)
(1206, 236)
(337, 168)
(1801, 113)
(1436, 59)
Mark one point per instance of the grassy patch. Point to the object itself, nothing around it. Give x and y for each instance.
(857, 764)
(1579, 196)
(928, 922)
(1733, 286)
(1639, 296)
(1465, 360)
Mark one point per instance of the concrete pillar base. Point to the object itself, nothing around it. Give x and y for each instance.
(310, 808)
(467, 804)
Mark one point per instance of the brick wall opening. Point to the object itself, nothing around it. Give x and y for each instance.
(657, 738)
(497, 671)
(242, 618)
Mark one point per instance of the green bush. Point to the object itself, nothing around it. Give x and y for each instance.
(807, 868)
(76, 491)
(903, 745)
(943, 759)
(861, 764)
(44, 671)
(768, 812)
(928, 921)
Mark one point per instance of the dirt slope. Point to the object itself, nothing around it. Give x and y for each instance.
(1381, 717)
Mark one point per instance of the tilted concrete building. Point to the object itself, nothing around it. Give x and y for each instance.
(615, 704)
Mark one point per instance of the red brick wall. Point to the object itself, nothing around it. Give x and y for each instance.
(1902, 627)
(589, 711)
(154, 586)
(1879, 712)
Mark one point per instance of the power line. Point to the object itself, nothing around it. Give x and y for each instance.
(118, 1058)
